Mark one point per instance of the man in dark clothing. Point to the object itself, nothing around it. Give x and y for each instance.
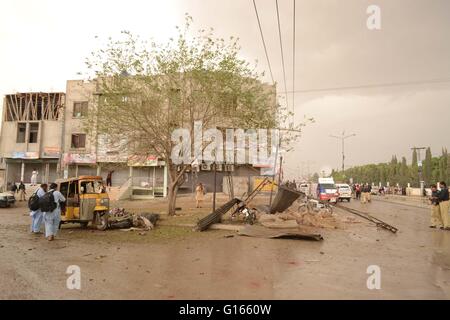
(22, 192)
(109, 178)
(436, 220)
(369, 193)
(443, 198)
(14, 189)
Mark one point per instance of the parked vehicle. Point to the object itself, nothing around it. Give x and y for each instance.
(304, 187)
(375, 190)
(344, 191)
(4, 203)
(86, 201)
(326, 190)
(7, 199)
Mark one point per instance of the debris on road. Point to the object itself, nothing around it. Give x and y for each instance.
(216, 216)
(284, 198)
(262, 232)
(118, 218)
(364, 215)
(292, 219)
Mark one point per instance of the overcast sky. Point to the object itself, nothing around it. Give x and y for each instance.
(44, 43)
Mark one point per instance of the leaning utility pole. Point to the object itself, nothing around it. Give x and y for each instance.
(342, 138)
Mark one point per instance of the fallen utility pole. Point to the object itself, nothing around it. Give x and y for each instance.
(367, 216)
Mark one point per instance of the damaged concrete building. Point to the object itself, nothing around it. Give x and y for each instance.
(137, 178)
(45, 132)
(31, 135)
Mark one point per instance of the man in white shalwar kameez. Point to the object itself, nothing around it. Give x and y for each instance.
(52, 219)
(37, 215)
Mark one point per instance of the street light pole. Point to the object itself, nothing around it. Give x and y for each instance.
(419, 165)
(342, 137)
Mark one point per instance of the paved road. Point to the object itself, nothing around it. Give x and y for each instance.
(414, 263)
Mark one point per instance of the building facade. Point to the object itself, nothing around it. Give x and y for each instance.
(31, 135)
(47, 132)
(85, 154)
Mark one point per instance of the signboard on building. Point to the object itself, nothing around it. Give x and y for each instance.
(269, 186)
(110, 150)
(51, 152)
(142, 161)
(25, 155)
(80, 158)
(111, 157)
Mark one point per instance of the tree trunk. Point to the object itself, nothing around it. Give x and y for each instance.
(172, 198)
(175, 180)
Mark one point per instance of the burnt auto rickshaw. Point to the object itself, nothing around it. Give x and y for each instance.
(86, 201)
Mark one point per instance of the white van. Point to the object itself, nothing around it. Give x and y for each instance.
(345, 192)
(304, 187)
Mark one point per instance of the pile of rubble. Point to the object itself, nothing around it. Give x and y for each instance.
(304, 215)
(292, 219)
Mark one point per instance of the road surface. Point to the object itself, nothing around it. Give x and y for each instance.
(414, 263)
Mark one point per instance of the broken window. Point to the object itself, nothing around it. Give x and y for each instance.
(21, 132)
(80, 109)
(34, 131)
(78, 140)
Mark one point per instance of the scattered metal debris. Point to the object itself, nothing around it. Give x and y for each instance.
(216, 216)
(118, 218)
(294, 234)
(370, 218)
(284, 198)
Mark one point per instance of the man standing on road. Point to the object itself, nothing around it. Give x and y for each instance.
(34, 175)
(22, 192)
(109, 179)
(436, 220)
(14, 189)
(53, 218)
(36, 215)
(358, 192)
(364, 193)
(443, 198)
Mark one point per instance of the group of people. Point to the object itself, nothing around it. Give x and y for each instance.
(439, 206)
(47, 213)
(291, 184)
(20, 190)
(363, 192)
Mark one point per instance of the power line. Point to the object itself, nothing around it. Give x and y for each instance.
(264, 42)
(379, 85)
(293, 68)
(282, 53)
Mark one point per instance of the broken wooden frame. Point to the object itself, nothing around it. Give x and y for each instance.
(34, 106)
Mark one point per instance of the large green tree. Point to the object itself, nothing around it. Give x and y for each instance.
(147, 90)
(435, 168)
(443, 165)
